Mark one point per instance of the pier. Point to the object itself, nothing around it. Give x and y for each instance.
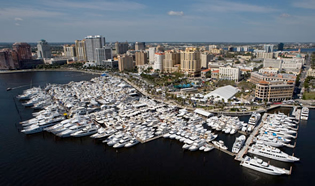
(223, 150)
(148, 140)
(239, 156)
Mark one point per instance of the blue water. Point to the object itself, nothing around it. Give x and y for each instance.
(43, 159)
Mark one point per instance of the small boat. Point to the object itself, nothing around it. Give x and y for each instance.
(9, 88)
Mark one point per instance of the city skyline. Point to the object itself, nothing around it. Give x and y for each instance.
(162, 21)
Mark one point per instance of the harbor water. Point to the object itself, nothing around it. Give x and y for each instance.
(43, 159)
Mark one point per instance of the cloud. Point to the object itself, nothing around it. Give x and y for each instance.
(284, 15)
(174, 13)
(307, 4)
(228, 6)
(18, 19)
(17, 24)
(27, 12)
(95, 5)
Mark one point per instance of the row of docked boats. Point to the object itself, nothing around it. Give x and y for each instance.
(277, 131)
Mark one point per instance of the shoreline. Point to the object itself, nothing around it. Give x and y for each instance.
(49, 70)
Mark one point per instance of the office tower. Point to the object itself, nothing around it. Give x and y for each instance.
(151, 55)
(125, 62)
(43, 49)
(91, 43)
(103, 54)
(171, 58)
(8, 59)
(23, 51)
(140, 46)
(158, 62)
(190, 61)
(80, 50)
(268, 48)
(205, 59)
(141, 58)
(121, 48)
(280, 46)
(69, 50)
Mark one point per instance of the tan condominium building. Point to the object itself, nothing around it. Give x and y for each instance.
(69, 50)
(80, 50)
(172, 58)
(257, 77)
(141, 58)
(125, 62)
(274, 90)
(190, 61)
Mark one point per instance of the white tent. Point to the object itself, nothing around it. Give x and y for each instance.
(225, 93)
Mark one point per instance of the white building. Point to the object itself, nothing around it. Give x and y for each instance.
(103, 54)
(225, 93)
(269, 71)
(293, 65)
(151, 55)
(158, 61)
(229, 73)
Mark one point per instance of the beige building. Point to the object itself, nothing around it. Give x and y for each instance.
(274, 91)
(265, 55)
(69, 50)
(216, 51)
(190, 61)
(205, 58)
(257, 77)
(229, 73)
(172, 58)
(311, 72)
(125, 62)
(141, 58)
(80, 50)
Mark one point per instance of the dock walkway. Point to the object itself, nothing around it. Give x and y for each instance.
(239, 156)
(226, 151)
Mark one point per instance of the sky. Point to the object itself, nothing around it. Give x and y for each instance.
(158, 20)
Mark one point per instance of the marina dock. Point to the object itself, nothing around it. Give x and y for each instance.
(225, 151)
(249, 141)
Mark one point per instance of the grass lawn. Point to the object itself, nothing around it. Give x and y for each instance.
(309, 95)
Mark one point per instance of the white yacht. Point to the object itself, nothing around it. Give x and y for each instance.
(238, 144)
(132, 142)
(220, 144)
(271, 152)
(304, 113)
(261, 166)
(85, 132)
(254, 118)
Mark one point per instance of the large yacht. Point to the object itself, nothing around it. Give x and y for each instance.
(271, 152)
(238, 144)
(261, 166)
(254, 118)
(304, 113)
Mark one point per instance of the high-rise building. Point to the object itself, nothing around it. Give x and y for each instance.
(205, 59)
(280, 46)
(8, 59)
(151, 55)
(43, 49)
(69, 50)
(80, 50)
(140, 46)
(102, 54)
(91, 43)
(125, 62)
(121, 48)
(158, 62)
(268, 48)
(23, 51)
(212, 47)
(190, 61)
(141, 58)
(172, 58)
